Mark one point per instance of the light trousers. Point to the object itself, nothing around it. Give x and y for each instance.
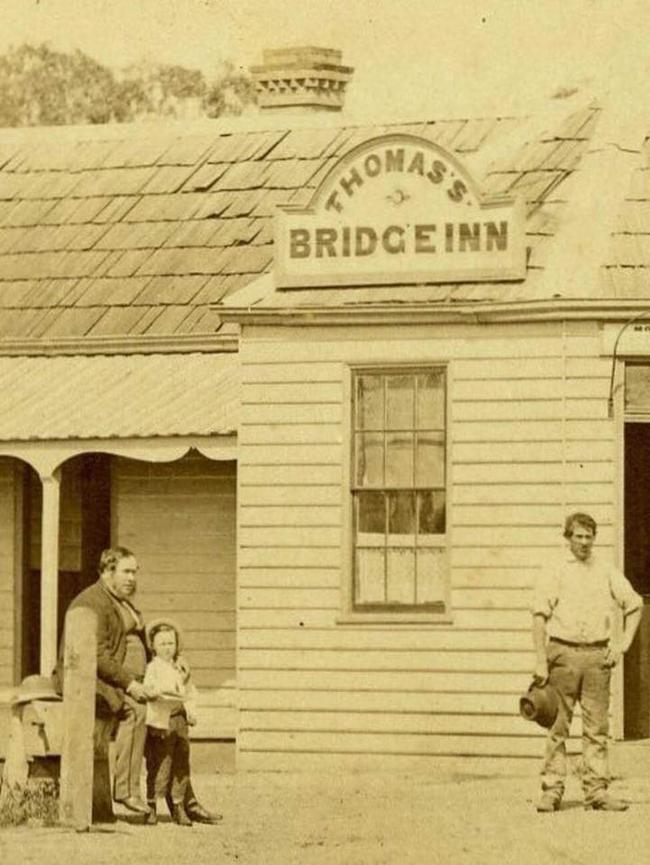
(130, 739)
(579, 675)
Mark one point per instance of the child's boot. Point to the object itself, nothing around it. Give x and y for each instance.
(152, 818)
(179, 816)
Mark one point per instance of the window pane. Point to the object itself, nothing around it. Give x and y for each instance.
(431, 401)
(430, 575)
(401, 517)
(369, 469)
(400, 396)
(370, 586)
(399, 460)
(637, 387)
(431, 512)
(371, 513)
(400, 576)
(370, 402)
(430, 460)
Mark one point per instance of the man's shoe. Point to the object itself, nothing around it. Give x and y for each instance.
(607, 803)
(198, 814)
(134, 803)
(548, 803)
(179, 816)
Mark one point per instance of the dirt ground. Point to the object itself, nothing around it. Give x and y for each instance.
(361, 819)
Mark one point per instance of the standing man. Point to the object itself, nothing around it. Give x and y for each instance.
(121, 662)
(575, 604)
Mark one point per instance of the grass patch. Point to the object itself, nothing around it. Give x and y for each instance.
(36, 804)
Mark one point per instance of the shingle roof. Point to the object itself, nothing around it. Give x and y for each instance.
(141, 236)
(123, 396)
(626, 273)
(539, 170)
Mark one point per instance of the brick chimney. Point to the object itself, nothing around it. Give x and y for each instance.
(301, 79)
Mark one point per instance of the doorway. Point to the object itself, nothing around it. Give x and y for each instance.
(636, 679)
(84, 531)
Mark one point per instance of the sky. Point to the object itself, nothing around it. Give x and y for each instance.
(410, 56)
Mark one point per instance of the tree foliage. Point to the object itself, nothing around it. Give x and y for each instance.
(43, 87)
(229, 93)
(39, 86)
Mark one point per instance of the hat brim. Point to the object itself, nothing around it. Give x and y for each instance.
(540, 704)
(162, 620)
(20, 699)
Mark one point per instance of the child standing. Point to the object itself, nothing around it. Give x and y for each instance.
(169, 712)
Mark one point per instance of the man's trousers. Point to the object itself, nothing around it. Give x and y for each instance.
(579, 674)
(130, 739)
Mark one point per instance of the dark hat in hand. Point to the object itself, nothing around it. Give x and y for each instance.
(539, 704)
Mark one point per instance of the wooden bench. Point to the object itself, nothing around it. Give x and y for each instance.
(62, 738)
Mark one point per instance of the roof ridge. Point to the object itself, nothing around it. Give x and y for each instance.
(227, 125)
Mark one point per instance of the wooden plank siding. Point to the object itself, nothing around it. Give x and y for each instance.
(528, 438)
(179, 519)
(7, 569)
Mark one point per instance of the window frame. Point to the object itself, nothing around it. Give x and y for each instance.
(379, 614)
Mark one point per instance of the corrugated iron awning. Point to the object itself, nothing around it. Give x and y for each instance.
(118, 396)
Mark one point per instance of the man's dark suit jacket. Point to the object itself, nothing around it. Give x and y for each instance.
(112, 678)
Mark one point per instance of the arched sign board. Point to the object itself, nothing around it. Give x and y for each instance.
(399, 209)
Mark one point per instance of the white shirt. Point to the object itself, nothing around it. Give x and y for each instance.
(579, 598)
(168, 678)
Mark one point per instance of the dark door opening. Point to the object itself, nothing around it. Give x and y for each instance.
(84, 531)
(30, 590)
(636, 681)
(85, 526)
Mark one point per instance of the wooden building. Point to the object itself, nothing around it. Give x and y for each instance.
(337, 385)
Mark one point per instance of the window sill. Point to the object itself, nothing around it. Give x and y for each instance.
(395, 618)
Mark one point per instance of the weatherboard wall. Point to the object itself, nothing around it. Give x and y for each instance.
(179, 519)
(529, 440)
